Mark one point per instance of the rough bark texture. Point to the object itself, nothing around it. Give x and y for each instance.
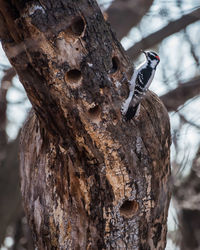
(89, 179)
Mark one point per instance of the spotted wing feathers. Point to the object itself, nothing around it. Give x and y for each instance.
(131, 106)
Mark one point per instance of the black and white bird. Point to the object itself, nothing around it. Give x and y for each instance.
(139, 83)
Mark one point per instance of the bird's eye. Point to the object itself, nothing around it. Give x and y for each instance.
(151, 56)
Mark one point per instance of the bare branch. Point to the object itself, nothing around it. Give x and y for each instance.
(9, 180)
(192, 48)
(5, 84)
(123, 15)
(10, 208)
(161, 34)
(187, 121)
(177, 97)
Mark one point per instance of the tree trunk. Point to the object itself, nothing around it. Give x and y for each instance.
(89, 179)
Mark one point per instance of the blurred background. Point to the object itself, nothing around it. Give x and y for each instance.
(172, 29)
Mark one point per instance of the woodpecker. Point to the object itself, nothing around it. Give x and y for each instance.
(139, 83)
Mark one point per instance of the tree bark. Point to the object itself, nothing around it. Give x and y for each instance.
(89, 179)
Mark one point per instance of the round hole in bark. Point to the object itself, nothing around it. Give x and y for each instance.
(94, 112)
(77, 26)
(115, 64)
(73, 76)
(129, 208)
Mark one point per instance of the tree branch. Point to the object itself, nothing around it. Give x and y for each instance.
(124, 15)
(10, 197)
(158, 36)
(192, 48)
(6, 82)
(11, 204)
(177, 97)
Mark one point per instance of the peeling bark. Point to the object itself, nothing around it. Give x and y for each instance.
(89, 179)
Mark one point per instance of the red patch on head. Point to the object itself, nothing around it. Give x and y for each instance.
(157, 57)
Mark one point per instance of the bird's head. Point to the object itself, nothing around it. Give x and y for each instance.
(152, 58)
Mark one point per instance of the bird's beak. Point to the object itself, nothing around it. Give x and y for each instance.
(144, 52)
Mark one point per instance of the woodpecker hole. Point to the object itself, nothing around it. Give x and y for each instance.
(73, 76)
(77, 26)
(94, 112)
(129, 208)
(115, 65)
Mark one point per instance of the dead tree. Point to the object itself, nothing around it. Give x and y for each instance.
(89, 180)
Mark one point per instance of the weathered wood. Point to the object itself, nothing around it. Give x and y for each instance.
(89, 179)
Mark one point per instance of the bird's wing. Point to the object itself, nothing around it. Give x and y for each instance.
(132, 84)
(141, 84)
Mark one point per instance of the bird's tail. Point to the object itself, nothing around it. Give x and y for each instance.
(132, 112)
(126, 104)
